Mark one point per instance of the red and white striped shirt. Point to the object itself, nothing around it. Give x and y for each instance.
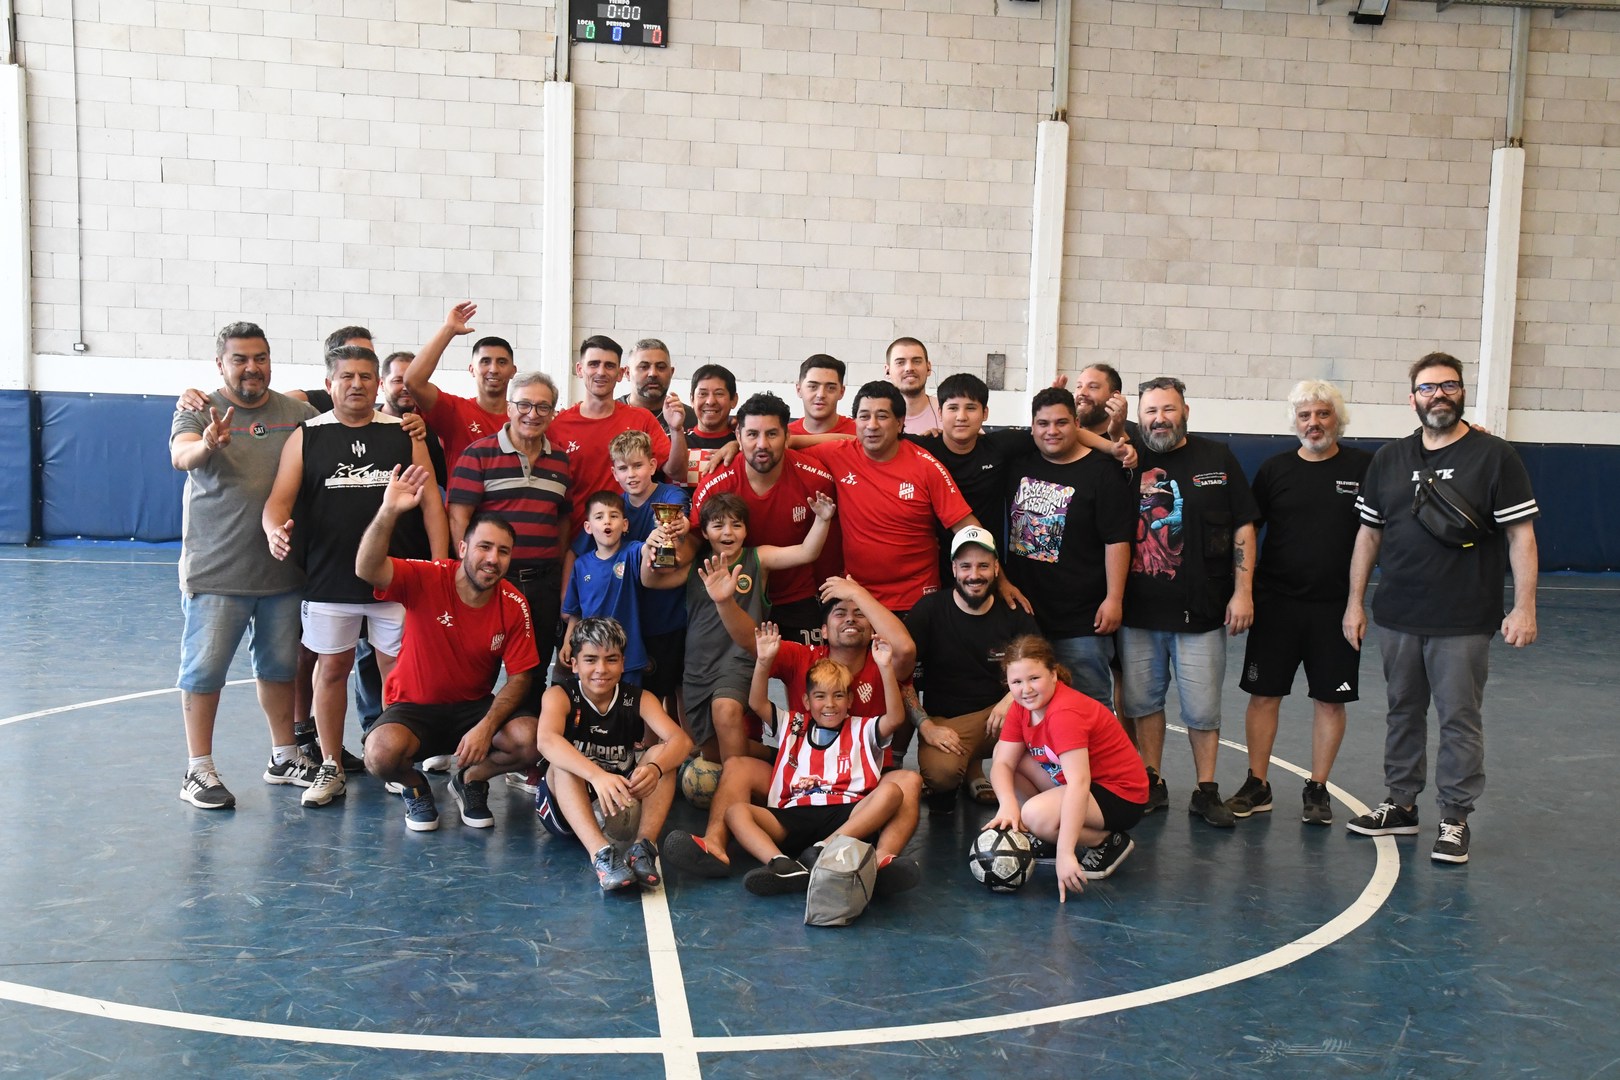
(844, 772)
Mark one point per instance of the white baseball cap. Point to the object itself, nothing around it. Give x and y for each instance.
(973, 535)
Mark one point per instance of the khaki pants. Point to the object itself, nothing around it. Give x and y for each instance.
(944, 772)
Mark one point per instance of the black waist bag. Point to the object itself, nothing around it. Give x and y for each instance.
(1449, 518)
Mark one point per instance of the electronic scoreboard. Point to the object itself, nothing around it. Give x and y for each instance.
(640, 22)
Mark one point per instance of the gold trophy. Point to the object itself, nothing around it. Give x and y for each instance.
(664, 514)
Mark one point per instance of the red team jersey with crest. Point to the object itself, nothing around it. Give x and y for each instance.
(886, 513)
(453, 652)
(844, 772)
(459, 422)
(584, 441)
(794, 660)
(782, 518)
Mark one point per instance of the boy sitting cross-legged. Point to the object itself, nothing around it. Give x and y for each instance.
(826, 780)
(589, 724)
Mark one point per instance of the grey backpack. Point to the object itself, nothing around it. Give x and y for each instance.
(840, 882)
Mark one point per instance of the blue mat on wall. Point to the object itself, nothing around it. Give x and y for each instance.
(18, 420)
(106, 472)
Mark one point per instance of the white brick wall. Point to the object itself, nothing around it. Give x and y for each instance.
(1256, 195)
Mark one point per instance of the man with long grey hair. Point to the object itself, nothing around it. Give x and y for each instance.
(1307, 499)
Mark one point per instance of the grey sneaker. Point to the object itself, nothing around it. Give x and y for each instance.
(204, 789)
(472, 796)
(1254, 797)
(328, 785)
(642, 859)
(1389, 819)
(1206, 803)
(421, 813)
(611, 872)
(1104, 859)
(1318, 806)
(1452, 845)
(299, 771)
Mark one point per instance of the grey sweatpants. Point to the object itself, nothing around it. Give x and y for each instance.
(1452, 672)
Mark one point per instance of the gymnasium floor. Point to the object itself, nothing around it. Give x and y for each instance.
(143, 937)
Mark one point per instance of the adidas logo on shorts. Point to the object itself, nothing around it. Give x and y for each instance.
(1343, 687)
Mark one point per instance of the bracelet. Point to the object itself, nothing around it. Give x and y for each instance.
(657, 766)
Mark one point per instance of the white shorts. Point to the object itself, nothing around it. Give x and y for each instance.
(335, 628)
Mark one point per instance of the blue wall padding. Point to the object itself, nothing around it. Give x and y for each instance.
(106, 475)
(17, 423)
(106, 467)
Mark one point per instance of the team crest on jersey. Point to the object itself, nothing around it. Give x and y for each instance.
(258, 430)
(864, 692)
(1347, 487)
(907, 491)
(496, 642)
(1254, 672)
(618, 569)
(797, 726)
(799, 514)
(849, 478)
(745, 583)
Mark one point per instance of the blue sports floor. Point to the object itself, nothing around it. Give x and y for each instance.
(140, 937)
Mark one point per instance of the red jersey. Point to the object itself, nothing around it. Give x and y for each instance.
(1075, 722)
(843, 426)
(459, 422)
(453, 652)
(886, 513)
(584, 440)
(793, 662)
(843, 772)
(782, 518)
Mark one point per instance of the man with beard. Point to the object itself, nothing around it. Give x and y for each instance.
(518, 474)
(651, 375)
(960, 637)
(1307, 499)
(228, 581)
(1439, 603)
(1070, 541)
(778, 485)
(1191, 583)
(335, 469)
(1100, 404)
(586, 429)
(458, 421)
(463, 622)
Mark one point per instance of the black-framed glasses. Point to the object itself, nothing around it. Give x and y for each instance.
(1450, 388)
(539, 408)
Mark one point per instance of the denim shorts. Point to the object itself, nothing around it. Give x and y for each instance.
(1198, 661)
(1090, 663)
(214, 626)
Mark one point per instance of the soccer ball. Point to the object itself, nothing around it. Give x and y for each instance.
(1001, 859)
(699, 778)
(620, 827)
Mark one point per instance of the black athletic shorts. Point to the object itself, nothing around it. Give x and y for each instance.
(1289, 632)
(799, 621)
(438, 728)
(808, 825)
(1119, 814)
(666, 654)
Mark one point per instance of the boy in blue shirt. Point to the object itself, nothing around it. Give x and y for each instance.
(603, 581)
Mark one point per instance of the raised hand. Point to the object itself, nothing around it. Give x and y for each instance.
(218, 433)
(767, 642)
(674, 411)
(822, 506)
(413, 425)
(882, 654)
(404, 491)
(457, 321)
(721, 582)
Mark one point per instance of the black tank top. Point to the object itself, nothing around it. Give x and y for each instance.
(346, 471)
(608, 739)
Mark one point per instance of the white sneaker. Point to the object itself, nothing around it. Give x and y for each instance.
(328, 785)
(439, 763)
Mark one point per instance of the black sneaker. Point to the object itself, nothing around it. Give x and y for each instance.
(896, 876)
(421, 813)
(1104, 859)
(1452, 846)
(686, 853)
(351, 764)
(1389, 819)
(308, 742)
(1206, 803)
(611, 872)
(204, 789)
(777, 878)
(642, 859)
(472, 796)
(1318, 808)
(1254, 797)
(1158, 791)
(1042, 850)
(941, 803)
(299, 771)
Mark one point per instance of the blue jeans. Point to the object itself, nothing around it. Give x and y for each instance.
(1198, 662)
(214, 626)
(1089, 660)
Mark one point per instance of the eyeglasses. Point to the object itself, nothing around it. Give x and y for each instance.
(539, 408)
(1429, 389)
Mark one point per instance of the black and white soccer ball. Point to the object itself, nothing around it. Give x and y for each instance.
(1001, 859)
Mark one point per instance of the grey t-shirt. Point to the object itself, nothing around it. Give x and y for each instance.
(222, 545)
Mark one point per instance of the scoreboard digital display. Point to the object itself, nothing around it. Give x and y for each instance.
(641, 22)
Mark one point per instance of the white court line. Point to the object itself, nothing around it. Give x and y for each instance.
(676, 1043)
(20, 717)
